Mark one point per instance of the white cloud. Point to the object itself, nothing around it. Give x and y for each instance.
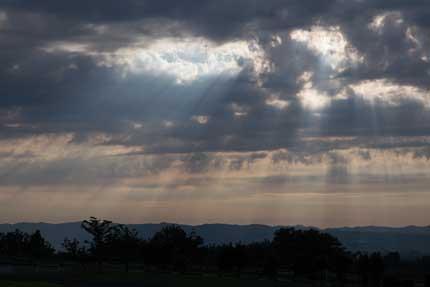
(190, 59)
(168, 124)
(238, 110)
(69, 47)
(390, 93)
(185, 59)
(305, 78)
(375, 91)
(379, 21)
(200, 119)
(276, 102)
(313, 99)
(330, 44)
(275, 41)
(136, 125)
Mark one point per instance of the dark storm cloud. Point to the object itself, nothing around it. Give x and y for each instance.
(356, 117)
(61, 91)
(216, 19)
(389, 50)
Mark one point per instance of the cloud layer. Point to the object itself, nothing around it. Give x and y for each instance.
(282, 92)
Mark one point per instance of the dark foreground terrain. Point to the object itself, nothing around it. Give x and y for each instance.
(119, 256)
(113, 276)
(135, 279)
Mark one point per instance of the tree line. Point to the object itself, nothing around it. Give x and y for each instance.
(297, 253)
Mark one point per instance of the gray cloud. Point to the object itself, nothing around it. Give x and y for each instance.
(67, 91)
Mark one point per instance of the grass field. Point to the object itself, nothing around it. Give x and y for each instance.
(26, 284)
(138, 279)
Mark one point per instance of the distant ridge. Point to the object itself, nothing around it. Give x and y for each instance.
(410, 241)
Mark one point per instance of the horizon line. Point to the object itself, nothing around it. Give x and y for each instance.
(233, 224)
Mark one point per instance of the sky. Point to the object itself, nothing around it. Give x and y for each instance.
(235, 111)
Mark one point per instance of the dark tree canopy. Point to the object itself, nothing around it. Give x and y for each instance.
(299, 253)
(306, 250)
(20, 244)
(173, 246)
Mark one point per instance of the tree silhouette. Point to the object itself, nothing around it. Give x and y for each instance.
(363, 268)
(100, 231)
(306, 251)
(261, 256)
(74, 251)
(171, 246)
(17, 244)
(232, 258)
(376, 267)
(37, 247)
(370, 268)
(124, 244)
(14, 244)
(309, 253)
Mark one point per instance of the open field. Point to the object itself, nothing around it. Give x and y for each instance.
(134, 279)
(27, 277)
(26, 284)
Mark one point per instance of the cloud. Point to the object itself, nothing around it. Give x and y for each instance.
(422, 153)
(199, 77)
(169, 106)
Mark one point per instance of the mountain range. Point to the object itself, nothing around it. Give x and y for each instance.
(410, 241)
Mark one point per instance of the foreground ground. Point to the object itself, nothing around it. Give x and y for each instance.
(134, 280)
(30, 277)
(26, 284)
